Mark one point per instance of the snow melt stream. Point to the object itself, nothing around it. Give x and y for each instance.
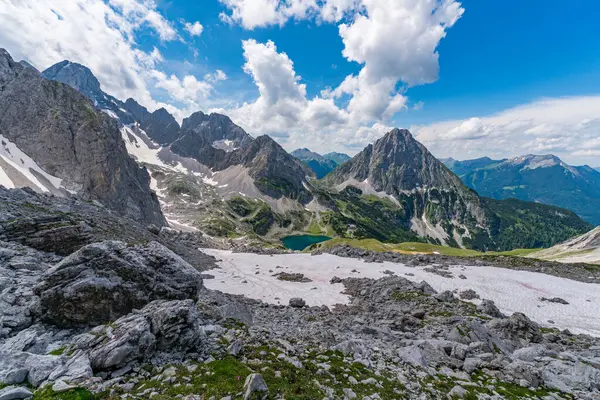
(512, 291)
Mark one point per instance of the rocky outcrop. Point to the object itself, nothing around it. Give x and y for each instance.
(171, 326)
(161, 127)
(18, 367)
(70, 139)
(103, 281)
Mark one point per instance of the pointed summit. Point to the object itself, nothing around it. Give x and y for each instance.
(396, 163)
(75, 75)
(82, 79)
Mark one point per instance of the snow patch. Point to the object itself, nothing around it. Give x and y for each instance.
(512, 291)
(225, 144)
(25, 165)
(366, 187)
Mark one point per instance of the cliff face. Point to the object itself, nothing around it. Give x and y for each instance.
(59, 128)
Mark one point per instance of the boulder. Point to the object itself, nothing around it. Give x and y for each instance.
(488, 307)
(14, 393)
(430, 353)
(468, 294)
(255, 387)
(103, 281)
(171, 326)
(16, 366)
(570, 377)
(297, 302)
(445, 296)
(516, 331)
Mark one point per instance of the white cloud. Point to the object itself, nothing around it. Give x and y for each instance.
(144, 12)
(187, 90)
(568, 127)
(260, 13)
(283, 110)
(90, 32)
(216, 76)
(194, 29)
(395, 41)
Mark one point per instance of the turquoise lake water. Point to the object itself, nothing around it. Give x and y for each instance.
(300, 242)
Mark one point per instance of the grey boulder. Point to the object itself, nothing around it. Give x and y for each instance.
(14, 393)
(104, 281)
(297, 302)
(255, 387)
(16, 366)
(488, 307)
(160, 326)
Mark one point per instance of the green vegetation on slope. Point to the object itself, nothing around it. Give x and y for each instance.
(415, 248)
(516, 224)
(361, 216)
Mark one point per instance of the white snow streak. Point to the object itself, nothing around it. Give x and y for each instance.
(10, 153)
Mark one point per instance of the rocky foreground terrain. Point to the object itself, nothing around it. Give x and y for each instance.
(96, 306)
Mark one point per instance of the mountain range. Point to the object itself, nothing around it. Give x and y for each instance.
(538, 178)
(62, 134)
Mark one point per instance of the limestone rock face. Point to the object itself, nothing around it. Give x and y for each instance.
(103, 281)
(63, 132)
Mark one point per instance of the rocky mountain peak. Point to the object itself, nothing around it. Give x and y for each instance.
(139, 112)
(75, 75)
(217, 130)
(395, 163)
(161, 127)
(73, 146)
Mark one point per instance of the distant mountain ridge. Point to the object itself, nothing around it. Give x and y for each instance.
(338, 158)
(320, 165)
(538, 178)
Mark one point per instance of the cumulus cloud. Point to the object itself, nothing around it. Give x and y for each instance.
(395, 41)
(91, 32)
(216, 76)
(194, 29)
(568, 127)
(284, 111)
(101, 34)
(187, 90)
(253, 14)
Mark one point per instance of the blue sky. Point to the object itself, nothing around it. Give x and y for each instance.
(469, 78)
(500, 54)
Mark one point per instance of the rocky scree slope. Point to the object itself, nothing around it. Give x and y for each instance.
(63, 132)
(169, 337)
(584, 248)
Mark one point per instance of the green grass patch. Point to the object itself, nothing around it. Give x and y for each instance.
(47, 393)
